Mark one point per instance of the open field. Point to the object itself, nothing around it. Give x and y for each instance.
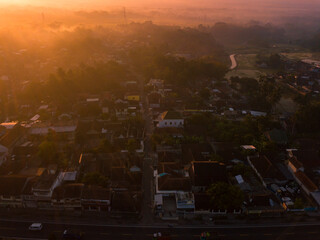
(286, 105)
(246, 67)
(244, 73)
(302, 55)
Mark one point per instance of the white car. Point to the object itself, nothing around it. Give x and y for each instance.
(35, 227)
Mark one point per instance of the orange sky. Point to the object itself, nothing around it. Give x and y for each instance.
(165, 3)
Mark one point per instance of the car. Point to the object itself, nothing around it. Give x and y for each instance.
(35, 227)
(72, 235)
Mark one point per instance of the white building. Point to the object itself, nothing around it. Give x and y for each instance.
(170, 119)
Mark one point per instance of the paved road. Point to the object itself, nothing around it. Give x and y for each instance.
(233, 61)
(292, 232)
(147, 180)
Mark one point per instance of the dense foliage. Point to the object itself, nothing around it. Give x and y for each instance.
(224, 196)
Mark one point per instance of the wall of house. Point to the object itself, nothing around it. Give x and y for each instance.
(171, 123)
(11, 201)
(3, 158)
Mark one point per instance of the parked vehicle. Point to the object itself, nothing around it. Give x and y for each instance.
(72, 235)
(35, 227)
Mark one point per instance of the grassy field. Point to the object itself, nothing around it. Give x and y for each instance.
(286, 105)
(302, 55)
(246, 67)
(246, 58)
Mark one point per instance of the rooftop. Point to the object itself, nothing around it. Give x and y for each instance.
(171, 115)
(68, 191)
(306, 181)
(12, 185)
(171, 183)
(207, 172)
(95, 193)
(266, 168)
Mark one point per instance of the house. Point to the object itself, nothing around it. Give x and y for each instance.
(28, 198)
(266, 170)
(202, 203)
(11, 189)
(9, 125)
(156, 83)
(44, 187)
(263, 203)
(297, 168)
(170, 119)
(154, 99)
(121, 109)
(305, 182)
(310, 158)
(196, 152)
(228, 151)
(95, 198)
(205, 173)
(257, 113)
(3, 154)
(173, 190)
(295, 165)
(126, 202)
(12, 136)
(65, 130)
(277, 136)
(67, 197)
(133, 97)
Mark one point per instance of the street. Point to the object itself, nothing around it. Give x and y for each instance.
(121, 232)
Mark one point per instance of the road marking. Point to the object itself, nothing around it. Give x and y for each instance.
(244, 235)
(289, 233)
(268, 234)
(126, 234)
(105, 233)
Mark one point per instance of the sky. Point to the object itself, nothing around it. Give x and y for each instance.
(164, 3)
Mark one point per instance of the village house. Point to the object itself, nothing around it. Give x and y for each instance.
(95, 198)
(170, 119)
(266, 170)
(205, 173)
(11, 188)
(67, 197)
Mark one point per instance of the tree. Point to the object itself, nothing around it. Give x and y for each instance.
(132, 145)
(106, 147)
(298, 203)
(225, 196)
(48, 152)
(95, 178)
(308, 118)
(216, 157)
(241, 169)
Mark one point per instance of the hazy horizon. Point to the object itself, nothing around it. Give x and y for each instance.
(166, 3)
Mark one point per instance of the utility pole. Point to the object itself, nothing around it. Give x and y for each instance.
(42, 16)
(125, 16)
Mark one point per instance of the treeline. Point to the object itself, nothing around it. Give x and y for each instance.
(261, 95)
(313, 43)
(64, 86)
(175, 70)
(254, 34)
(174, 39)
